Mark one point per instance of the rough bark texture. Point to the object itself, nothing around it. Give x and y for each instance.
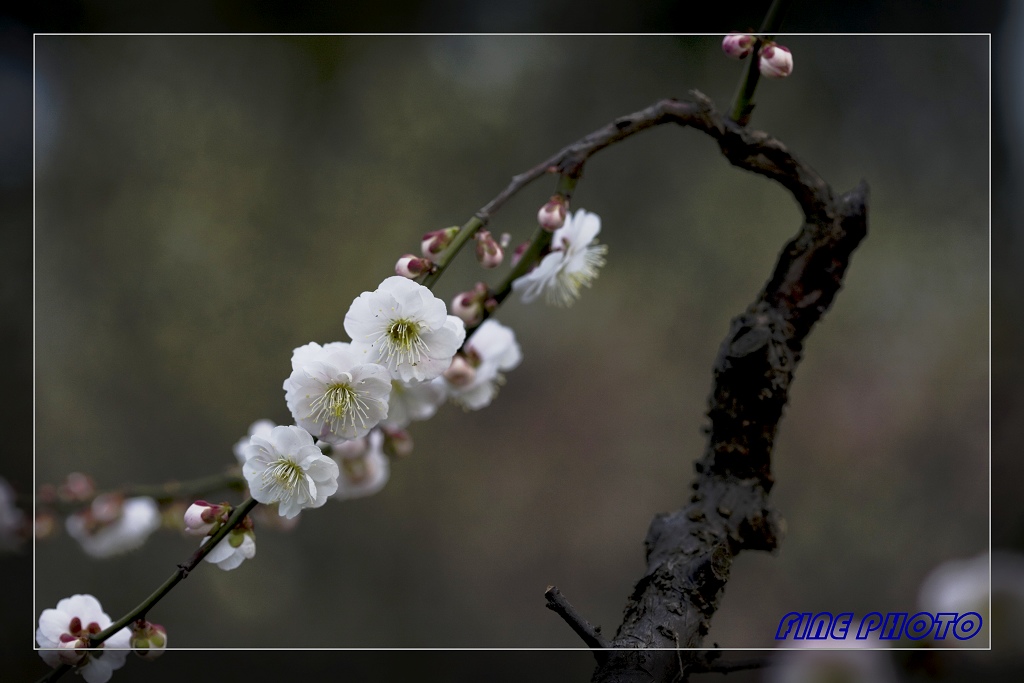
(690, 551)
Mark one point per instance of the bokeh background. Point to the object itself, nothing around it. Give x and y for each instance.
(205, 204)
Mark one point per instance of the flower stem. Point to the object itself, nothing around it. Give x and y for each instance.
(465, 234)
(743, 101)
(538, 243)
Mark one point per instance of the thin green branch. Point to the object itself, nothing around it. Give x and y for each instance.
(180, 573)
(743, 101)
(464, 235)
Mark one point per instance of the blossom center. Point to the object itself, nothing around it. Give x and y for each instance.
(282, 479)
(340, 406)
(572, 277)
(402, 342)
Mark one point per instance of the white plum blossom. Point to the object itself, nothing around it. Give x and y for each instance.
(112, 525)
(413, 401)
(257, 428)
(493, 349)
(405, 328)
(572, 263)
(289, 469)
(64, 633)
(364, 467)
(239, 545)
(335, 391)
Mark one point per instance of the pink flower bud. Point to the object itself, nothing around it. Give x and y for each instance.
(738, 45)
(201, 517)
(488, 253)
(411, 266)
(467, 306)
(397, 443)
(460, 372)
(552, 215)
(776, 61)
(437, 241)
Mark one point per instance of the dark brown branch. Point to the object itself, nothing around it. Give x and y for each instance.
(590, 634)
(690, 551)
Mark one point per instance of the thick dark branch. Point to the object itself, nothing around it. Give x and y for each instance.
(590, 634)
(690, 551)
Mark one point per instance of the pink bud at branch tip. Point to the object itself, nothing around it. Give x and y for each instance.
(738, 45)
(552, 215)
(488, 253)
(201, 517)
(412, 266)
(437, 241)
(776, 61)
(468, 307)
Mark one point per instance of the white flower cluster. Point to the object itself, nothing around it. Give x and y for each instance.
(356, 398)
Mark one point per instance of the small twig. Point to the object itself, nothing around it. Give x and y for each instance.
(590, 634)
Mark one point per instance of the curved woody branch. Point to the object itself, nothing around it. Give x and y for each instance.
(690, 551)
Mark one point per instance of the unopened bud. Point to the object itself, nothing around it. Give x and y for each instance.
(148, 640)
(552, 215)
(460, 373)
(201, 517)
(468, 307)
(437, 241)
(412, 266)
(488, 253)
(738, 45)
(776, 61)
(397, 443)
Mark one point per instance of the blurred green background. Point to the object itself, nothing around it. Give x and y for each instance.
(206, 204)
